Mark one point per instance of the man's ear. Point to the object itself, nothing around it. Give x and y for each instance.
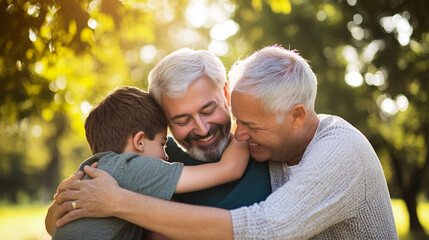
(298, 114)
(226, 93)
(138, 142)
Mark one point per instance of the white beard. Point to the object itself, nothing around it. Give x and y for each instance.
(198, 154)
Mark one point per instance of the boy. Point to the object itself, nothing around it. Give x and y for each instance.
(127, 134)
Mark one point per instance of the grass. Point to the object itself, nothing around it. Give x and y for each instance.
(28, 222)
(401, 216)
(23, 222)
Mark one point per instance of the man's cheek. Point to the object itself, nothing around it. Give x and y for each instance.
(178, 133)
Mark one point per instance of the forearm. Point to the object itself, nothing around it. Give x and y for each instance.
(194, 178)
(172, 219)
(50, 219)
(235, 159)
(230, 167)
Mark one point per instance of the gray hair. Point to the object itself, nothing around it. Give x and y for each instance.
(279, 78)
(174, 73)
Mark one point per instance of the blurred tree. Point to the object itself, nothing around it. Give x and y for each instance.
(371, 59)
(12, 177)
(56, 59)
(35, 35)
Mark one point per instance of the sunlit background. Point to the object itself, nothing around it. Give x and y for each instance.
(59, 58)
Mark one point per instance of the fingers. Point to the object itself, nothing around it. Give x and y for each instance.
(68, 196)
(75, 177)
(78, 175)
(69, 186)
(66, 207)
(65, 184)
(70, 216)
(94, 165)
(94, 172)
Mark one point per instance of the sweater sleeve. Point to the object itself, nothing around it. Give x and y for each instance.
(324, 189)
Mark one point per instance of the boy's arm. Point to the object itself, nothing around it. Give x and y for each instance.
(50, 219)
(230, 167)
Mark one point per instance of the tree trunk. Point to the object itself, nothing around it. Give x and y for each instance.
(52, 172)
(409, 190)
(410, 201)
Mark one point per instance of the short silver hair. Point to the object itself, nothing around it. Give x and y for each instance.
(175, 72)
(279, 78)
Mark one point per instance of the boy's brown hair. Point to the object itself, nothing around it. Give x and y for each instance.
(120, 115)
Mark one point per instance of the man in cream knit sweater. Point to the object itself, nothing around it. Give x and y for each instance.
(326, 178)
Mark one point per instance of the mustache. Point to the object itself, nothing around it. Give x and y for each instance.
(212, 130)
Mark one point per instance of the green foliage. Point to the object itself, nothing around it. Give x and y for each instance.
(57, 59)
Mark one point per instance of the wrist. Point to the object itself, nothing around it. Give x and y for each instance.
(118, 202)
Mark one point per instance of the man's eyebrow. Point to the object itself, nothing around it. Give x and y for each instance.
(208, 105)
(179, 116)
(185, 114)
(245, 123)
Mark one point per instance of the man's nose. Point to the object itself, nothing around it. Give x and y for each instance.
(241, 134)
(202, 126)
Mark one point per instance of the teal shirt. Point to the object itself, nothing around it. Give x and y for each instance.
(253, 187)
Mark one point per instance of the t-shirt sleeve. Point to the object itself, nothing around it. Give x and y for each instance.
(149, 176)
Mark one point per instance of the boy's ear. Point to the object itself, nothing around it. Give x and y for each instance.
(298, 114)
(226, 93)
(138, 142)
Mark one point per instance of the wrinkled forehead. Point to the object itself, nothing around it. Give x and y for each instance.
(196, 98)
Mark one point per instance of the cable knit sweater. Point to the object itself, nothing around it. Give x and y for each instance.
(337, 191)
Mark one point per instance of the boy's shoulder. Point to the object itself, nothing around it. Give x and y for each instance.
(94, 158)
(107, 158)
